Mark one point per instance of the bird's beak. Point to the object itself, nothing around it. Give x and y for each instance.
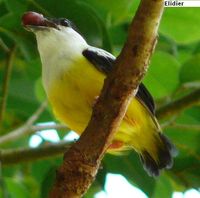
(33, 22)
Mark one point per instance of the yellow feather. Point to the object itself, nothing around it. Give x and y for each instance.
(72, 84)
(72, 96)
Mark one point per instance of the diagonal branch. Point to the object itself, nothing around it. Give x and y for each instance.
(6, 80)
(13, 156)
(24, 129)
(82, 160)
(170, 109)
(163, 112)
(4, 46)
(189, 127)
(179, 105)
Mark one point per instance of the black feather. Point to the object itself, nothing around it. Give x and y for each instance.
(166, 151)
(169, 145)
(149, 164)
(104, 62)
(144, 95)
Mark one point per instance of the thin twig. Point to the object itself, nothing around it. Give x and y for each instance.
(4, 46)
(191, 127)
(6, 80)
(179, 105)
(188, 86)
(191, 85)
(171, 109)
(28, 129)
(14, 156)
(24, 129)
(3, 189)
(36, 128)
(169, 122)
(37, 113)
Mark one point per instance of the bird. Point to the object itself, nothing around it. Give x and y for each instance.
(73, 73)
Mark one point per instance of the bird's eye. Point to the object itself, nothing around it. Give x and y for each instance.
(65, 22)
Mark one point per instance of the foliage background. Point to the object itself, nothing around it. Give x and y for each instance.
(174, 72)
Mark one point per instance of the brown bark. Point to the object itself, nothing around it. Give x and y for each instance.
(25, 155)
(82, 160)
(178, 105)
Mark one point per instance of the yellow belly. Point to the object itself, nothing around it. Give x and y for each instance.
(73, 95)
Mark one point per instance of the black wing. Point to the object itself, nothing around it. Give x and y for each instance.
(104, 62)
(144, 95)
(101, 59)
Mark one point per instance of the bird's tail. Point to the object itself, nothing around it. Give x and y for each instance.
(161, 158)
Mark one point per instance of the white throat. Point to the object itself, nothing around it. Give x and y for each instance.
(58, 50)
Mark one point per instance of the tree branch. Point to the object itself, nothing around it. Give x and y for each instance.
(6, 80)
(171, 109)
(26, 128)
(47, 127)
(82, 160)
(4, 46)
(179, 105)
(3, 191)
(13, 156)
(163, 112)
(190, 127)
(24, 155)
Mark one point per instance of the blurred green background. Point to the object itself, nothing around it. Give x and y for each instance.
(174, 72)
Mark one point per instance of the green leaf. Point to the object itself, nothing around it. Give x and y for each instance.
(186, 138)
(196, 48)
(3, 8)
(48, 181)
(110, 10)
(182, 25)
(162, 78)
(166, 44)
(33, 68)
(190, 70)
(9, 21)
(185, 170)
(41, 97)
(163, 187)
(41, 168)
(22, 92)
(30, 183)
(118, 35)
(78, 13)
(106, 43)
(16, 189)
(194, 112)
(16, 6)
(186, 51)
(39, 90)
(131, 168)
(18, 40)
